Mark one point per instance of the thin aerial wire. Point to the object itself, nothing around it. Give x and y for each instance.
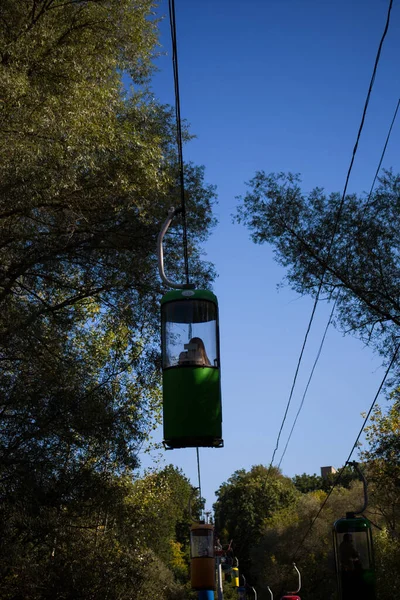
(198, 470)
(337, 479)
(294, 381)
(335, 227)
(172, 20)
(382, 155)
(309, 379)
(337, 297)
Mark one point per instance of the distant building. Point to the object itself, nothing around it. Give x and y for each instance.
(325, 471)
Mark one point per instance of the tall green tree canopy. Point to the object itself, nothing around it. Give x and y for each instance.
(349, 252)
(309, 483)
(244, 502)
(87, 173)
(383, 458)
(362, 263)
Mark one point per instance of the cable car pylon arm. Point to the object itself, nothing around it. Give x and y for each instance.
(160, 252)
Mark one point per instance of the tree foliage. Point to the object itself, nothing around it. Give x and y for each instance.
(244, 502)
(387, 557)
(310, 483)
(87, 173)
(271, 533)
(287, 536)
(116, 544)
(347, 251)
(383, 458)
(360, 266)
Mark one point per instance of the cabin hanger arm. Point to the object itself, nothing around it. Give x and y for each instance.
(160, 252)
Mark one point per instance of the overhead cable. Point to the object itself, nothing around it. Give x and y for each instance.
(335, 228)
(309, 380)
(337, 479)
(382, 155)
(172, 20)
(337, 296)
(198, 470)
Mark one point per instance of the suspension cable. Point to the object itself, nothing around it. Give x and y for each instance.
(172, 20)
(338, 295)
(337, 479)
(309, 379)
(295, 379)
(198, 470)
(335, 228)
(382, 155)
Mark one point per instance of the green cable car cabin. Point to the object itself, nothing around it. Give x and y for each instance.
(192, 411)
(354, 558)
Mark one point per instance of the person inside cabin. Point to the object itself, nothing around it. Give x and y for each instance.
(349, 557)
(351, 569)
(194, 354)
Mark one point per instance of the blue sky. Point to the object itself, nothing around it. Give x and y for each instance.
(280, 85)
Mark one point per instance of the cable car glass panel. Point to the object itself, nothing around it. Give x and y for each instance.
(354, 558)
(190, 334)
(202, 543)
(361, 549)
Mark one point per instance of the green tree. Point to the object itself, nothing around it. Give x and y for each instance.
(382, 456)
(160, 505)
(383, 459)
(362, 263)
(286, 536)
(244, 502)
(310, 483)
(387, 558)
(87, 173)
(118, 543)
(354, 259)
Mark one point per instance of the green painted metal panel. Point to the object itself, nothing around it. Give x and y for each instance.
(192, 407)
(349, 525)
(189, 295)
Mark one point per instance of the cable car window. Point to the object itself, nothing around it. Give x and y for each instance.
(202, 543)
(354, 551)
(189, 333)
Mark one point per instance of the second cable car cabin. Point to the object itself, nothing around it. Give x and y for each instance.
(202, 570)
(191, 369)
(354, 559)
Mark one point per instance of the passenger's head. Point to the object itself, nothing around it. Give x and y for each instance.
(199, 343)
(200, 348)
